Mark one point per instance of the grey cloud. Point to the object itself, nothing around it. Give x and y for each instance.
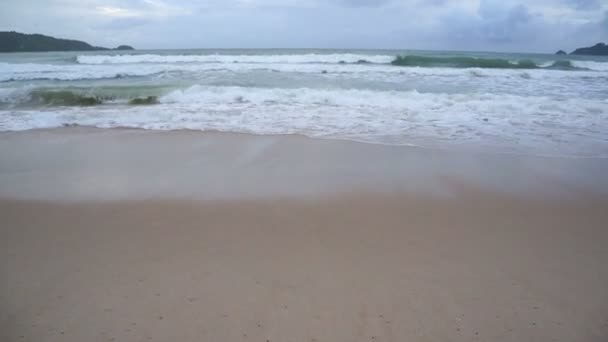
(504, 25)
(584, 4)
(363, 3)
(494, 24)
(505, 28)
(124, 23)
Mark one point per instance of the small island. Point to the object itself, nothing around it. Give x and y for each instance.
(21, 42)
(561, 52)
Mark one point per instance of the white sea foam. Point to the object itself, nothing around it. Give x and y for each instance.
(591, 65)
(534, 111)
(30, 71)
(14, 95)
(225, 59)
(274, 59)
(528, 123)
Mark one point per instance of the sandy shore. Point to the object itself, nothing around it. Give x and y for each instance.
(75, 164)
(142, 236)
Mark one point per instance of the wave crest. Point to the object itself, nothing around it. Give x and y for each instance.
(483, 63)
(79, 97)
(226, 59)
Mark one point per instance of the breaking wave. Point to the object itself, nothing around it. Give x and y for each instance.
(79, 97)
(539, 102)
(224, 59)
(394, 117)
(483, 63)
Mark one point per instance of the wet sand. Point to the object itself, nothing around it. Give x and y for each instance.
(102, 240)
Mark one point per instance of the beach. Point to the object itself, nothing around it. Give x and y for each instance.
(142, 235)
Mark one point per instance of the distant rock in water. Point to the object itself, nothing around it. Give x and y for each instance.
(561, 52)
(20, 42)
(599, 49)
(124, 47)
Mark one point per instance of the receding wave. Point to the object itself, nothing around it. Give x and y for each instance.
(473, 62)
(225, 59)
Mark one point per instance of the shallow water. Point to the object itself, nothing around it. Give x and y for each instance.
(514, 103)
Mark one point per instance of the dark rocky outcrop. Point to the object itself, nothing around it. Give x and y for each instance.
(599, 49)
(561, 52)
(20, 42)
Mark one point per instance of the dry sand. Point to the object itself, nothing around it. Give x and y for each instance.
(464, 261)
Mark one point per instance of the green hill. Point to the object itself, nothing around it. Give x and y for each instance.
(599, 49)
(20, 42)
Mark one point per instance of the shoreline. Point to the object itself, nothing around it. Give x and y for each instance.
(458, 149)
(121, 164)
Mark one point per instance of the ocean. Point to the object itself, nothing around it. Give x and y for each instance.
(529, 104)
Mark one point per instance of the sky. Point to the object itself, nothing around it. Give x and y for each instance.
(482, 25)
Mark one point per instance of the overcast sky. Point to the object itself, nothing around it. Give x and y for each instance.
(489, 25)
